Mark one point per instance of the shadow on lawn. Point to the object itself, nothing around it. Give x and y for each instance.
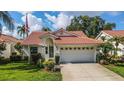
(22, 67)
(120, 65)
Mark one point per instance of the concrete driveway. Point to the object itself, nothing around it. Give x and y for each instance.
(88, 72)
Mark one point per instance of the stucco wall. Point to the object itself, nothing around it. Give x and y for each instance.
(7, 52)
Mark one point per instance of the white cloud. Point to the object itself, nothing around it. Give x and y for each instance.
(114, 13)
(34, 23)
(6, 31)
(91, 13)
(61, 21)
(83, 13)
(24, 12)
(10, 33)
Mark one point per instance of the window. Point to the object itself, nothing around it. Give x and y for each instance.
(83, 48)
(46, 50)
(70, 48)
(79, 48)
(87, 48)
(33, 50)
(66, 48)
(61, 48)
(91, 48)
(74, 48)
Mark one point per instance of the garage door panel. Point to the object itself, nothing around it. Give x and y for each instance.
(77, 55)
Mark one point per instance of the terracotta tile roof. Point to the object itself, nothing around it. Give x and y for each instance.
(34, 38)
(118, 33)
(78, 38)
(79, 33)
(7, 38)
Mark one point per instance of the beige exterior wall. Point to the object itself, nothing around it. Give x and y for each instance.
(9, 49)
(7, 52)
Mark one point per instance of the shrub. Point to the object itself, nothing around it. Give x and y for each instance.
(15, 58)
(35, 58)
(14, 53)
(99, 57)
(4, 60)
(40, 63)
(49, 65)
(2, 47)
(25, 58)
(57, 57)
(42, 59)
(51, 60)
(18, 47)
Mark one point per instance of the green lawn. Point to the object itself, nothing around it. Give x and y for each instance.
(24, 71)
(119, 69)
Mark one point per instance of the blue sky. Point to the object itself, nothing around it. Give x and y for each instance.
(60, 19)
(116, 17)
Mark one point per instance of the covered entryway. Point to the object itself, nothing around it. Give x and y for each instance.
(49, 48)
(77, 54)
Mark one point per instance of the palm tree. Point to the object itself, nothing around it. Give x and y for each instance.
(109, 26)
(117, 41)
(21, 31)
(7, 20)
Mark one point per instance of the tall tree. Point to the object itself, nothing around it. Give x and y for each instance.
(21, 31)
(96, 25)
(7, 20)
(109, 26)
(79, 23)
(91, 26)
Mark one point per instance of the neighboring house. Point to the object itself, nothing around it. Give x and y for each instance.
(10, 42)
(108, 34)
(73, 46)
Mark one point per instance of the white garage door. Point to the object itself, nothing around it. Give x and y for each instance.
(77, 55)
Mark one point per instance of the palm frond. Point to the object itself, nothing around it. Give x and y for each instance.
(7, 20)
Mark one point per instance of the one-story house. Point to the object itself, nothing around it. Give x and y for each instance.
(71, 46)
(108, 34)
(10, 43)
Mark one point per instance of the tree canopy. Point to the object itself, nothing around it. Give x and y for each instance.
(91, 26)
